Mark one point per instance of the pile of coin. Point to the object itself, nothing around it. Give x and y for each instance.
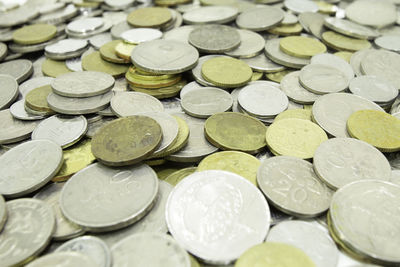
(199, 134)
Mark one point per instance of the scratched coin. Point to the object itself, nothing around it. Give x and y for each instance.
(14, 130)
(131, 103)
(29, 166)
(224, 213)
(291, 185)
(65, 259)
(101, 199)
(29, 227)
(3, 212)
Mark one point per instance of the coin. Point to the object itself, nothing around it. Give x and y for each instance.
(303, 47)
(132, 103)
(139, 35)
(388, 42)
(342, 42)
(54, 68)
(273, 52)
(344, 55)
(14, 130)
(29, 225)
(370, 13)
(65, 49)
(180, 34)
(340, 161)
(300, 7)
(177, 176)
(210, 14)
(263, 64)
(33, 83)
(251, 44)
(196, 71)
(260, 18)
(34, 34)
(108, 52)
(303, 114)
(291, 86)
(235, 131)
(36, 99)
(64, 229)
(335, 62)
(3, 51)
(67, 259)
(17, 16)
(229, 190)
(100, 39)
(126, 141)
(20, 69)
(214, 38)
(9, 90)
(350, 28)
(85, 25)
(3, 212)
(94, 127)
(101, 199)
(373, 88)
(149, 17)
(94, 62)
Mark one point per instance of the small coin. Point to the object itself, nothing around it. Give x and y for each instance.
(65, 49)
(33, 83)
(350, 28)
(20, 69)
(260, 18)
(14, 130)
(36, 100)
(273, 52)
(230, 191)
(8, 91)
(210, 14)
(94, 62)
(101, 199)
(335, 62)
(251, 44)
(291, 86)
(341, 42)
(149, 17)
(132, 103)
(67, 259)
(85, 25)
(373, 88)
(370, 13)
(263, 64)
(139, 35)
(108, 52)
(34, 34)
(100, 39)
(63, 130)
(54, 68)
(3, 212)
(298, 7)
(300, 46)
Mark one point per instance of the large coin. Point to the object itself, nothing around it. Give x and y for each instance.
(260, 18)
(101, 199)
(350, 28)
(373, 88)
(233, 206)
(371, 13)
(14, 130)
(214, 38)
(29, 227)
(132, 103)
(8, 91)
(335, 62)
(27, 167)
(65, 259)
(210, 14)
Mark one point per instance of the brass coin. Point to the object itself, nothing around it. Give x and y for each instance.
(278, 76)
(344, 55)
(126, 141)
(235, 131)
(124, 50)
(149, 17)
(304, 114)
(108, 53)
(37, 99)
(341, 42)
(34, 34)
(94, 62)
(161, 93)
(286, 30)
(300, 46)
(135, 81)
(54, 68)
(257, 76)
(138, 74)
(178, 176)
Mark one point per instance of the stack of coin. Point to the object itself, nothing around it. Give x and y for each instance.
(86, 27)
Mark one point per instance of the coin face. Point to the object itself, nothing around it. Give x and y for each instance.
(334, 61)
(373, 88)
(34, 34)
(229, 190)
(291, 86)
(29, 166)
(210, 14)
(303, 47)
(273, 52)
(350, 28)
(18, 111)
(368, 13)
(149, 17)
(132, 103)
(342, 42)
(29, 225)
(67, 259)
(14, 130)
(260, 19)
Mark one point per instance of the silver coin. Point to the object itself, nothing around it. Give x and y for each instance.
(18, 16)
(210, 14)
(119, 3)
(106, 112)
(3, 51)
(29, 227)
(301, 6)
(153, 222)
(260, 18)
(350, 28)
(24, 49)
(204, 102)
(66, 49)
(196, 71)
(58, 16)
(3, 213)
(95, 126)
(82, 84)
(395, 178)
(180, 34)
(335, 62)
(331, 111)
(340, 161)
(274, 53)
(310, 237)
(263, 64)
(90, 246)
(74, 64)
(131, 103)
(262, 100)
(289, 19)
(102, 199)
(18, 111)
(197, 147)
(389, 42)
(164, 56)
(291, 86)
(99, 40)
(224, 214)
(33, 83)
(313, 23)
(64, 229)
(51, 7)
(119, 28)
(323, 79)
(63, 130)
(292, 186)
(116, 17)
(140, 35)
(8, 90)
(65, 259)
(214, 38)
(106, 26)
(20, 69)
(14, 130)
(373, 88)
(355, 60)
(251, 44)
(368, 201)
(372, 13)
(169, 128)
(190, 87)
(76, 106)
(85, 25)
(134, 251)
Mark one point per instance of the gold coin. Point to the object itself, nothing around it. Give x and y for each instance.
(178, 176)
(94, 62)
(149, 17)
(256, 76)
(124, 50)
(108, 53)
(377, 128)
(278, 76)
(295, 137)
(155, 162)
(150, 76)
(271, 254)
(235, 131)
(326, 8)
(344, 55)
(126, 140)
(340, 42)
(37, 99)
(54, 68)
(75, 159)
(300, 46)
(285, 30)
(226, 72)
(34, 34)
(308, 107)
(135, 81)
(161, 93)
(234, 161)
(86, 4)
(304, 114)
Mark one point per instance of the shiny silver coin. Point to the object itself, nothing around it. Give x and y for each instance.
(140, 35)
(65, 259)
(190, 87)
(273, 52)
(14, 130)
(85, 25)
(373, 88)
(225, 205)
(18, 111)
(29, 226)
(64, 229)
(99, 40)
(131, 103)
(65, 49)
(196, 71)
(251, 44)
(20, 69)
(210, 14)
(263, 64)
(99, 198)
(298, 7)
(313, 23)
(389, 42)
(180, 34)
(63, 130)
(3, 212)
(105, 27)
(350, 28)
(18, 16)
(260, 18)
(291, 86)
(8, 90)
(33, 83)
(335, 62)
(119, 28)
(74, 64)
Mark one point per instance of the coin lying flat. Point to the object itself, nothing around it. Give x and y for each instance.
(371, 13)
(251, 44)
(263, 64)
(14, 130)
(33, 83)
(27, 167)
(335, 62)
(36, 100)
(214, 38)
(132, 103)
(65, 49)
(31, 240)
(303, 47)
(8, 91)
(388, 42)
(304, 114)
(149, 17)
(20, 69)
(210, 14)
(54, 68)
(342, 42)
(67, 259)
(350, 28)
(94, 62)
(273, 52)
(373, 88)
(298, 7)
(340, 161)
(34, 34)
(229, 190)
(177, 176)
(101, 199)
(196, 71)
(260, 19)
(291, 86)
(139, 35)
(299, 176)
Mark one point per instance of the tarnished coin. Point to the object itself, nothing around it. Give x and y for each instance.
(126, 141)
(82, 84)
(234, 201)
(263, 64)
(331, 111)
(340, 161)
(164, 56)
(28, 241)
(90, 246)
(63, 130)
(305, 194)
(368, 201)
(300, 46)
(64, 229)
(101, 199)
(149, 17)
(131, 103)
(371, 13)
(204, 102)
(134, 250)
(298, 7)
(20, 69)
(210, 14)
(274, 53)
(291, 86)
(67, 259)
(214, 38)
(108, 52)
(8, 90)
(312, 238)
(373, 88)
(14, 130)
(33, 83)
(34, 34)
(335, 62)
(260, 18)
(251, 44)
(350, 28)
